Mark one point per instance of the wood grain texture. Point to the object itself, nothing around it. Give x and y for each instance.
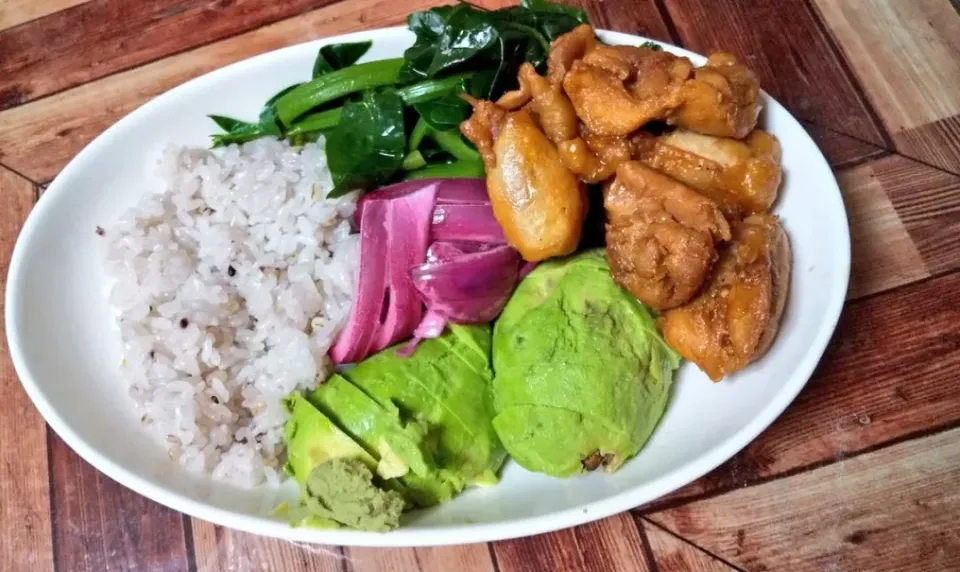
(463, 558)
(219, 549)
(883, 253)
(674, 554)
(610, 545)
(893, 509)
(100, 38)
(16, 12)
(907, 57)
(927, 200)
(905, 54)
(937, 143)
(39, 138)
(842, 150)
(890, 371)
(100, 525)
(25, 538)
(640, 17)
(783, 42)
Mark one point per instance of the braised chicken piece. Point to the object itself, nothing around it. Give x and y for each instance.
(568, 48)
(538, 202)
(595, 158)
(733, 322)
(660, 235)
(483, 127)
(618, 89)
(722, 99)
(553, 109)
(743, 177)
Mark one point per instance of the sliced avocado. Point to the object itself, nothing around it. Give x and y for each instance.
(404, 450)
(445, 386)
(313, 439)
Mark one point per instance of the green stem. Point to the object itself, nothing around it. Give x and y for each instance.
(431, 89)
(455, 170)
(316, 122)
(417, 134)
(335, 85)
(413, 160)
(451, 142)
(533, 32)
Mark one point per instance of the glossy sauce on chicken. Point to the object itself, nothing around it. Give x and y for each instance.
(687, 179)
(661, 236)
(735, 319)
(538, 202)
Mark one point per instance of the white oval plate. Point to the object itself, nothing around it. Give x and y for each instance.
(66, 348)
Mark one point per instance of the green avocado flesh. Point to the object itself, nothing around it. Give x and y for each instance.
(420, 425)
(582, 375)
(342, 490)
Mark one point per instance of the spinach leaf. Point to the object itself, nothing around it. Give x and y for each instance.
(269, 123)
(280, 94)
(229, 124)
(458, 38)
(652, 46)
(236, 131)
(554, 18)
(428, 26)
(556, 8)
(466, 33)
(444, 113)
(368, 144)
(338, 56)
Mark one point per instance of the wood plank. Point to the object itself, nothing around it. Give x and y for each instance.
(905, 55)
(841, 150)
(25, 539)
(100, 525)
(674, 554)
(937, 143)
(783, 42)
(927, 200)
(896, 508)
(640, 17)
(610, 545)
(16, 12)
(97, 39)
(883, 253)
(463, 558)
(39, 138)
(890, 372)
(219, 549)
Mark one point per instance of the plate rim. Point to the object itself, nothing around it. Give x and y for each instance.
(434, 535)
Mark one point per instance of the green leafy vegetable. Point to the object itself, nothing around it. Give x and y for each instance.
(335, 85)
(418, 133)
(236, 131)
(334, 57)
(368, 144)
(454, 37)
(444, 113)
(316, 122)
(451, 142)
(653, 46)
(455, 170)
(433, 89)
(414, 160)
(361, 108)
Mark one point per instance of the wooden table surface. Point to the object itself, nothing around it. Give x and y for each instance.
(862, 472)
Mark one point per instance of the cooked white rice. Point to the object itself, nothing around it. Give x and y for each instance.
(231, 286)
